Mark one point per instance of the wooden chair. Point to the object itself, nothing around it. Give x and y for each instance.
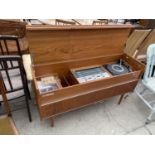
(15, 28)
(13, 81)
(10, 45)
(64, 22)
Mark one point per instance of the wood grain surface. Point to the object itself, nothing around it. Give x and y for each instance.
(56, 45)
(59, 50)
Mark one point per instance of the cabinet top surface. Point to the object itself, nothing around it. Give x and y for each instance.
(76, 27)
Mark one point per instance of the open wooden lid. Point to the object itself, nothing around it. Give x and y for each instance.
(54, 44)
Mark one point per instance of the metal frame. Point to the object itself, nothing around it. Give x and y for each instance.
(149, 74)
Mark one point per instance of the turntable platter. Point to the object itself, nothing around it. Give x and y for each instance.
(118, 68)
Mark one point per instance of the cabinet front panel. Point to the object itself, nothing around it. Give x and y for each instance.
(69, 104)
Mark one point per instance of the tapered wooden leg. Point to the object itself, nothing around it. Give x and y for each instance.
(10, 114)
(4, 97)
(7, 107)
(6, 104)
(119, 102)
(52, 122)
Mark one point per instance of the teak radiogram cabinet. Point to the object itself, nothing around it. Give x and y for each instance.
(59, 49)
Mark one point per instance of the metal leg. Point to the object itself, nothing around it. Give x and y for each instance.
(27, 104)
(28, 91)
(121, 98)
(27, 95)
(26, 83)
(52, 122)
(28, 109)
(147, 121)
(6, 104)
(143, 91)
(149, 117)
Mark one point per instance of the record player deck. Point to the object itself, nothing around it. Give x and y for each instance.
(99, 72)
(118, 68)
